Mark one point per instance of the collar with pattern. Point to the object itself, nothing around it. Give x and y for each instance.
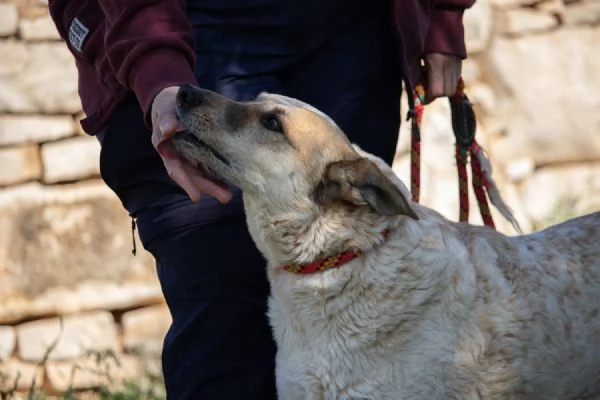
(333, 261)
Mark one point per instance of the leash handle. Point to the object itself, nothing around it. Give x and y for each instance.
(464, 127)
(416, 117)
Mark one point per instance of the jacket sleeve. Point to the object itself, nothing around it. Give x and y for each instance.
(149, 44)
(446, 31)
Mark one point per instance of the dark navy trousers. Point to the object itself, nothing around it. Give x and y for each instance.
(213, 278)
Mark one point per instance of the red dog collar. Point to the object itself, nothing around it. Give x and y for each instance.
(330, 262)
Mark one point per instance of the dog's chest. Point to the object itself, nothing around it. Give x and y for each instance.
(343, 359)
(318, 373)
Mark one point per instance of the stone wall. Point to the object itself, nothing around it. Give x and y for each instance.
(68, 281)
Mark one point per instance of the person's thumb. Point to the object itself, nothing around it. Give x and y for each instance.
(168, 124)
(163, 112)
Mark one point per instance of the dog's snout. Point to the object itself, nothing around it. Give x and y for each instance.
(189, 96)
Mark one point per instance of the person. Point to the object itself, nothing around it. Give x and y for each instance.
(347, 58)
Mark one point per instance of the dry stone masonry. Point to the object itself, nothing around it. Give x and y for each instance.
(70, 290)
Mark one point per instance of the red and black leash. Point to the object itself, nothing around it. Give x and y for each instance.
(464, 126)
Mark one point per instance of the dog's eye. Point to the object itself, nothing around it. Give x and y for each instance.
(272, 123)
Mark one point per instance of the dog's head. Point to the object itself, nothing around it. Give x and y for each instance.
(282, 151)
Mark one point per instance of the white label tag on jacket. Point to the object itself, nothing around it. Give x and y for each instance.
(77, 34)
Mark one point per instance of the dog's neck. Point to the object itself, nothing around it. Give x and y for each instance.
(307, 234)
(336, 260)
(392, 287)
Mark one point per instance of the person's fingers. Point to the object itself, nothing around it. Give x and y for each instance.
(207, 186)
(452, 75)
(163, 112)
(194, 183)
(435, 83)
(417, 72)
(178, 174)
(216, 189)
(443, 73)
(164, 125)
(167, 123)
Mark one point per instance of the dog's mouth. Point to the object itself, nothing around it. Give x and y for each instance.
(179, 145)
(193, 140)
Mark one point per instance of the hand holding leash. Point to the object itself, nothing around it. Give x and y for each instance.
(464, 125)
(441, 74)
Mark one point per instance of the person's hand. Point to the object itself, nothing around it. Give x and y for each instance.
(190, 177)
(440, 74)
(443, 72)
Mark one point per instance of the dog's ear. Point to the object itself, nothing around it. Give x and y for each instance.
(360, 182)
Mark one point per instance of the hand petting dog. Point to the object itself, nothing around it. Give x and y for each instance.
(187, 175)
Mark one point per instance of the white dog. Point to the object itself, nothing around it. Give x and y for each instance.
(375, 297)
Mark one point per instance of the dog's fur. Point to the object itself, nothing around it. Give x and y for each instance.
(438, 310)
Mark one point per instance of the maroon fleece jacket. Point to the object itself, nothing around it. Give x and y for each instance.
(144, 46)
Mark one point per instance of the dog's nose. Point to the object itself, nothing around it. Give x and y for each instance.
(188, 96)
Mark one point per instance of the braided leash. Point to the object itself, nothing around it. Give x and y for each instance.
(467, 148)
(416, 117)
